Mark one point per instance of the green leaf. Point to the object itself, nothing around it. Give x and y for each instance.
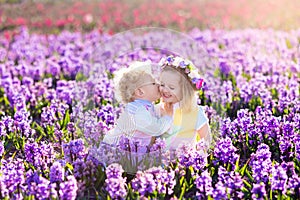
(89, 106)
(245, 190)
(221, 46)
(69, 166)
(80, 77)
(209, 197)
(13, 156)
(39, 138)
(6, 101)
(237, 164)
(247, 76)
(40, 129)
(66, 119)
(249, 175)
(181, 181)
(182, 190)
(247, 184)
(274, 93)
(232, 79)
(242, 170)
(217, 73)
(271, 195)
(288, 44)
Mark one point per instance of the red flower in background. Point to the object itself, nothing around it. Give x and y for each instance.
(48, 22)
(20, 21)
(61, 22)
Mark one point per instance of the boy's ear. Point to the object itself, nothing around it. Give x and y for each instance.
(139, 92)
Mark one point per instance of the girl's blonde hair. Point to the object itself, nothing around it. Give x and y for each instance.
(189, 98)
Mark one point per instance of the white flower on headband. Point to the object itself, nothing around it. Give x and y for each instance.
(177, 61)
(185, 66)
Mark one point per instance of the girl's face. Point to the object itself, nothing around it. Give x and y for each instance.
(170, 87)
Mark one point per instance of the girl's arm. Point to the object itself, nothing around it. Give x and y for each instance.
(204, 132)
(203, 129)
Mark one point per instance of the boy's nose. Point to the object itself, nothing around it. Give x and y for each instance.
(163, 89)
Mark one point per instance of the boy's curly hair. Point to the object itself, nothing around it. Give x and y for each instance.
(129, 82)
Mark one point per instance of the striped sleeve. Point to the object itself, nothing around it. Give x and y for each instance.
(151, 125)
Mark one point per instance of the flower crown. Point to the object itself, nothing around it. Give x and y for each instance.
(186, 68)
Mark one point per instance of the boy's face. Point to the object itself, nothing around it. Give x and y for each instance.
(150, 89)
(170, 87)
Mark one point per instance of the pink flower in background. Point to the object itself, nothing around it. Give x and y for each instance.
(61, 22)
(199, 84)
(119, 15)
(48, 22)
(88, 18)
(20, 21)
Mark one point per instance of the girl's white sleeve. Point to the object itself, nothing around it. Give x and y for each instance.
(201, 119)
(151, 125)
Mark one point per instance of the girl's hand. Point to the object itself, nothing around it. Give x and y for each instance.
(167, 109)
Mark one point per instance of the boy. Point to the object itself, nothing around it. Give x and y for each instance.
(139, 121)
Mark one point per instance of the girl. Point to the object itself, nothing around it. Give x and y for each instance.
(180, 82)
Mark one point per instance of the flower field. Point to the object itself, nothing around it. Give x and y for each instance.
(57, 102)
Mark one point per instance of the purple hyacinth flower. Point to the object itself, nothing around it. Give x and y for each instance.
(57, 172)
(2, 129)
(261, 163)
(143, 183)
(114, 170)
(204, 185)
(115, 183)
(225, 152)
(279, 179)
(68, 189)
(258, 191)
(228, 183)
(1, 148)
(225, 68)
(13, 175)
(116, 187)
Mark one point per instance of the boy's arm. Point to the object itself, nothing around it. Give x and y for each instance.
(151, 125)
